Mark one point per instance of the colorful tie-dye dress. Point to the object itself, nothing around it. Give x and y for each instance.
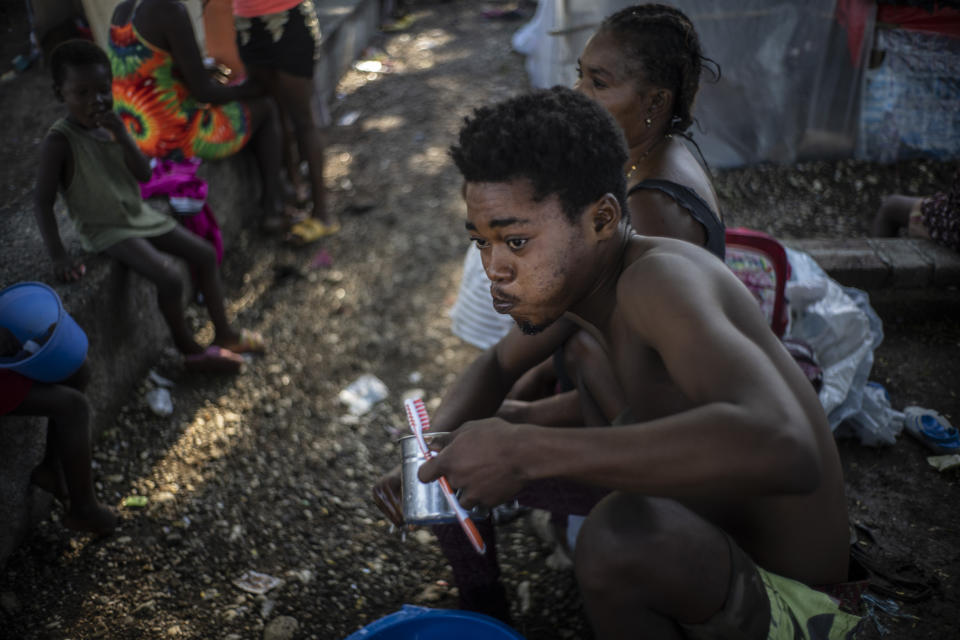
(151, 98)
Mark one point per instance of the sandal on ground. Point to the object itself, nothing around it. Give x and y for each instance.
(213, 359)
(249, 342)
(311, 230)
(931, 429)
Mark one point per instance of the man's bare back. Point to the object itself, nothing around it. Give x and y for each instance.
(777, 531)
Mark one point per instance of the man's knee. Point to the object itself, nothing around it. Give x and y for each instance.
(621, 538)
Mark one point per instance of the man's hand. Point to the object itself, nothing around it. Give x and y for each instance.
(388, 497)
(478, 458)
(69, 269)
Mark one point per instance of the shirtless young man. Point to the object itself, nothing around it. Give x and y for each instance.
(721, 461)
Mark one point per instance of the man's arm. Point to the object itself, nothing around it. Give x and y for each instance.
(751, 431)
(753, 426)
(480, 390)
(54, 153)
(174, 21)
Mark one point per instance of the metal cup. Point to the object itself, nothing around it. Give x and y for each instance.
(424, 502)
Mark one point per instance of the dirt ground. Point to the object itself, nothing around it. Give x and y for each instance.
(269, 472)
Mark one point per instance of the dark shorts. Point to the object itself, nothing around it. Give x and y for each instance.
(13, 390)
(288, 41)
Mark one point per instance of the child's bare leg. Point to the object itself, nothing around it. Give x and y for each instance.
(68, 443)
(159, 268)
(201, 255)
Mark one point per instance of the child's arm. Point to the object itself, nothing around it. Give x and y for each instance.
(135, 160)
(55, 156)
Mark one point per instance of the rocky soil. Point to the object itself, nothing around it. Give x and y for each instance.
(269, 472)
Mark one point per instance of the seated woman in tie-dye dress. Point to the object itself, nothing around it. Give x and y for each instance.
(174, 109)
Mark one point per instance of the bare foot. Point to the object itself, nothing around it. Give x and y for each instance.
(49, 477)
(96, 519)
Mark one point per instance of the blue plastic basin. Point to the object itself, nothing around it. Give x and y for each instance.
(421, 623)
(28, 309)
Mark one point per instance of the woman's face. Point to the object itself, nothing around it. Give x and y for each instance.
(603, 76)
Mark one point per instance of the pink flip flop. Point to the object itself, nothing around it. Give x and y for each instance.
(214, 359)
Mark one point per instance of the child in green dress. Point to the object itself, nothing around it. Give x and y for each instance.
(89, 157)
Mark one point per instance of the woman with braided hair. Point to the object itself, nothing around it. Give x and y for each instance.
(643, 65)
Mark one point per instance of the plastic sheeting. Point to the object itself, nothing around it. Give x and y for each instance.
(843, 330)
(911, 103)
(791, 79)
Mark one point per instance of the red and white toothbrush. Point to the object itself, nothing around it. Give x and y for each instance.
(420, 422)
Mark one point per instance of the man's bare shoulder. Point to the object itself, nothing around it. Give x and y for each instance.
(665, 275)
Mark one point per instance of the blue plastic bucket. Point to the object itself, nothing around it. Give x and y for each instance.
(28, 309)
(421, 623)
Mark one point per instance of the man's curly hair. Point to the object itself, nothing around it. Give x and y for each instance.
(563, 142)
(75, 53)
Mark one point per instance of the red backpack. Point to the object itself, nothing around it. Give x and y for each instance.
(760, 262)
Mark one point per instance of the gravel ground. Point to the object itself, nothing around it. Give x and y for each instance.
(269, 472)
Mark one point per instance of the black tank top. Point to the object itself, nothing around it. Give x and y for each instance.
(698, 208)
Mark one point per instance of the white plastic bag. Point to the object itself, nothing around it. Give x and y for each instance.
(843, 330)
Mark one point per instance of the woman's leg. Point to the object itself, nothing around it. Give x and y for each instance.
(295, 93)
(68, 444)
(159, 268)
(267, 143)
(200, 255)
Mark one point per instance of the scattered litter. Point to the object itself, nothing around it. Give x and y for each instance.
(932, 429)
(415, 377)
(374, 60)
(889, 607)
(523, 595)
(159, 380)
(135, 501)
(945, 463)
(321, 260)
(160, 401)
(369, 66)
(256, 582)
(6, 76)
(348, 118)
(363, 393)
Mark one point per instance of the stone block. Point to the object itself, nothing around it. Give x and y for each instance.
(853, 262)
(909, 268)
